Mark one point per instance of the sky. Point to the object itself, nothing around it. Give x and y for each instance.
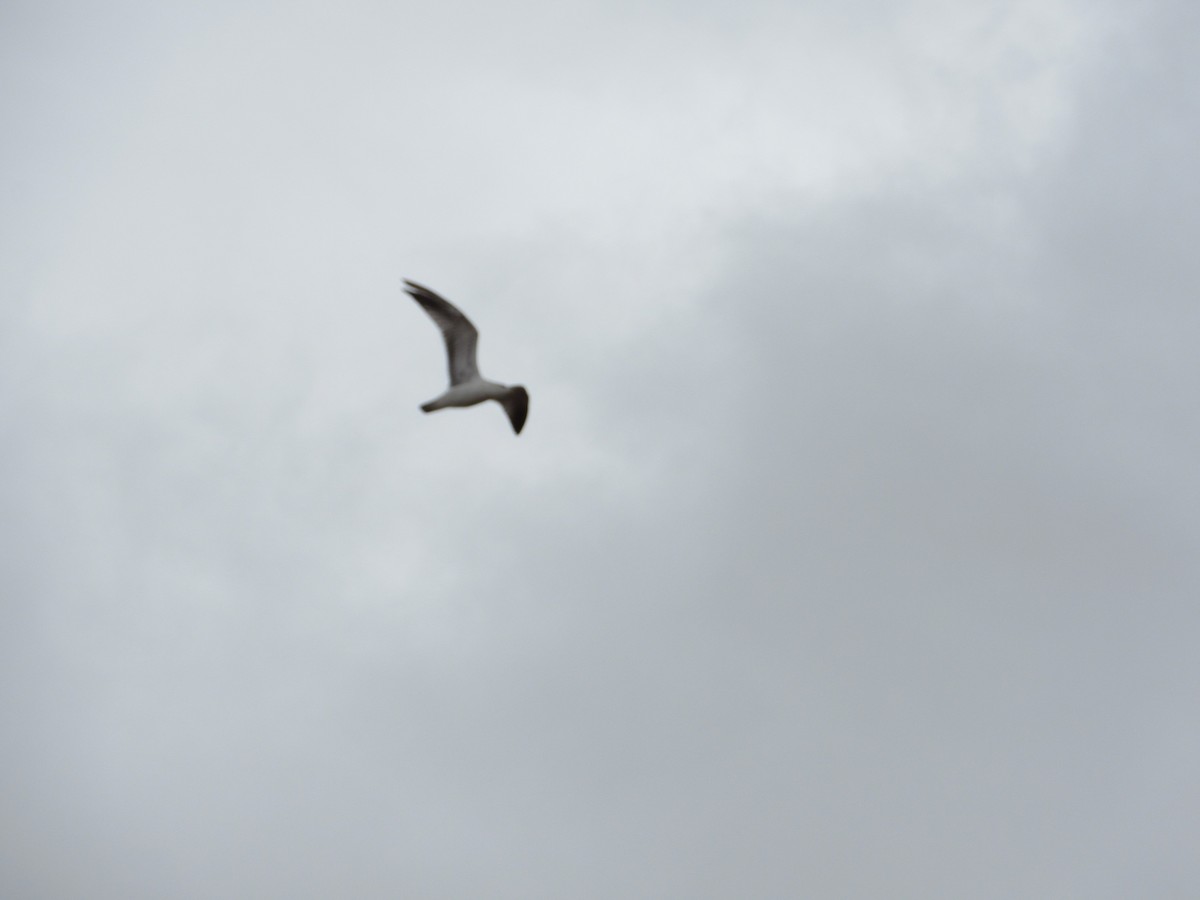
(849, 550)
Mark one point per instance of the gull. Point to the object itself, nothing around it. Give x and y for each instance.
(467, 386)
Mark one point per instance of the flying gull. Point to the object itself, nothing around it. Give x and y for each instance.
(467, 386)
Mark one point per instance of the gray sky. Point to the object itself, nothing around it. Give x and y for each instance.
(849, 550)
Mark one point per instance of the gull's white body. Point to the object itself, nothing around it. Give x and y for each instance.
(468, 393)
(467, 386)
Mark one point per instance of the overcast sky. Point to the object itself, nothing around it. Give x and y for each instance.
(850, 549)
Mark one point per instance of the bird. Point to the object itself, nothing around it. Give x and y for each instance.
(467, 386)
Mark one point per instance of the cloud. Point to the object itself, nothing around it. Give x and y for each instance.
(849, 546)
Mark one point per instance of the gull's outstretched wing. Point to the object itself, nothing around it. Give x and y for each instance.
(461, 336)
(516, 404)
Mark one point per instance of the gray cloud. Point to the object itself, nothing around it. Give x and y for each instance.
(849, 549)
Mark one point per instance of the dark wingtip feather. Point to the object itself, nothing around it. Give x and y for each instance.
(414, 288)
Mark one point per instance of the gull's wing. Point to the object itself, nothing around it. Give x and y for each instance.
(516, 404)
(461, 336)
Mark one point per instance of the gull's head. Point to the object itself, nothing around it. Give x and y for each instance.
(517, 406)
